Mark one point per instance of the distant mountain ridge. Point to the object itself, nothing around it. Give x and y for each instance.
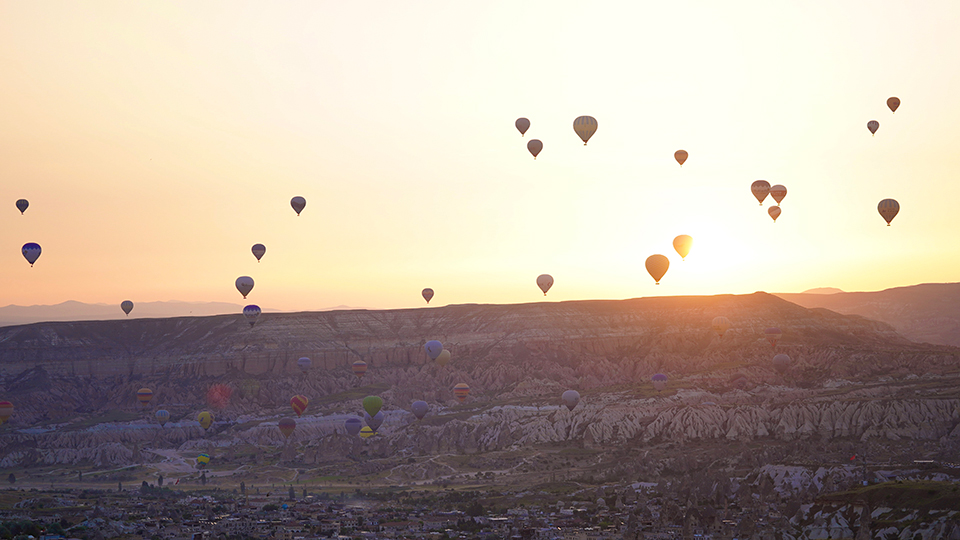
(72, 310)
(929, 312)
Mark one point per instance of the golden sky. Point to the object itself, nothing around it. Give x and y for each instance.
(158, 141)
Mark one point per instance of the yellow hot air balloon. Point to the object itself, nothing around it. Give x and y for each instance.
(366, 432)
(657, 265)
(681, 156)
(206, 419)
(682, 244)
(444, 358)
(585, 126)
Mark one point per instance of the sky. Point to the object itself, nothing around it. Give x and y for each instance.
(158, 141)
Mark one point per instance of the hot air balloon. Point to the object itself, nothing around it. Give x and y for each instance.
(889, 209)
(22, 205)
(144, 395)
(163, 416)
(202, 460)
(250, 388)
(299, 404)
(773, 335)
(680, 156)
(781, 362)
(6, 411)
(461, 391)
(366, 432)
(522, 125)
(353, 425)
(444, 358)
(659, 381)
(206, 419)
(251, 312)
(544, 281)
(893, 103)
(778, 192)
(258, 251)
(427, 294)
(287, 425)
(372, 405)
(740, 381)
(774, 212)
(31, 252)
(126, 306)
(760, 190)
(244, 285)
(304, 364)
(682, 244)
(419, 409)
(657, 266)
(534, 146)
(298, 204)
(433, 348)
(585, 126)
(873, 126)
(571, 398)
(359, 368)
(374, 421)
(720, 325)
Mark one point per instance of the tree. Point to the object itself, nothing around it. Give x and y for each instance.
(203, 478)
(119, 486)
(12, 479)
(243, 488)
(292, 495)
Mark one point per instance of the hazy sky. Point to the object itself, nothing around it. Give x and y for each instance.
(157, 141)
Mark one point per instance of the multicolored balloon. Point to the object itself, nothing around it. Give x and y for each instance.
(244, 285)
(202, 460)
(359, 368)
(251, 312)
(720, 325)
(258, 251)
(298, 204)
(571, 398)
(659, 381)
(366, 432)
(304, 364)
(419, 409)
(299, 404)
(31, 252)
(461, 391)
(760, 190)
(374, 421)
(144, 395)
(522, 125)
(657, 266)
(888, 209)
(585, 127)
(163, 416)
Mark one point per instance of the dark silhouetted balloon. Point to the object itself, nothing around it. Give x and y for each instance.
(571, 398)
(22, 205)
(760, 190)
(534, 146)
(31, 252)
(126, 306)
(585, 126)
(298, 204)
(427, 294)
(873, 126)
(251, 312)
(522, 125)
(774, 212)
(893, 103)
(657, 266)
(889, 209)
(244, 285)
(353, 425)
(258, 251)
(419, 409)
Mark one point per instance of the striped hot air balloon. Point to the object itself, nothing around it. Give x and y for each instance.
(163, 416)
(585, 126)
(461, 391)
(359, 368)
(659, 381)
(144, 395)
(299, 404)
(202, 460)
(6, 411)
(366, 432)
(287, 425)
(773, 335)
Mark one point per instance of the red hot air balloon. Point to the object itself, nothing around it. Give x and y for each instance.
(299, 404)
(461, 391)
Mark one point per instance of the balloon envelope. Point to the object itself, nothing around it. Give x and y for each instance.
(778, 192)
(681, 156)
(570, 398)
(657, 266)
(760, 190)
(720, 325)
(202, 460)
(659, 381)
(366, 432)
(258, 250)
(304, 364)
(774, 212)
(374, 421)
(419, 409)
(893, 103)
(206, 419)
(433, 348)
(299, 404)
(534, 146)
(585, 126)
(427, 294)
(353, 425)
(6, 411)
(682, 244)
(544, 281)
(461, 391)
(444, 358)
(889, 209)
(244, 285)
(372, 405)
(298, 204)
(22, 205)
(163, 416)
(522, 125)
(781, 362)
(287, 425)
(126, 306)
(144, 395)
(251, 312)
(773, 335)
(359, 368)
(31, 252)
(873, 126)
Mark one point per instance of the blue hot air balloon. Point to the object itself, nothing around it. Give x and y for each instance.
(31, 252)
(22, 205)
(251, 312)
(433, 348)
(420, 409)
(374, 421)
(353, 425)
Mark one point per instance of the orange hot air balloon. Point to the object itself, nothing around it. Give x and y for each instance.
(774, 212)
(287, 425)
(680, 156)
(359, 368)
(888, 209)
(299, 404)
(6, 411)
(760, 190)
(893, 103)
(144, 395)
(657, 266)
(461, 391)
(682, 244)
(778, 192)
